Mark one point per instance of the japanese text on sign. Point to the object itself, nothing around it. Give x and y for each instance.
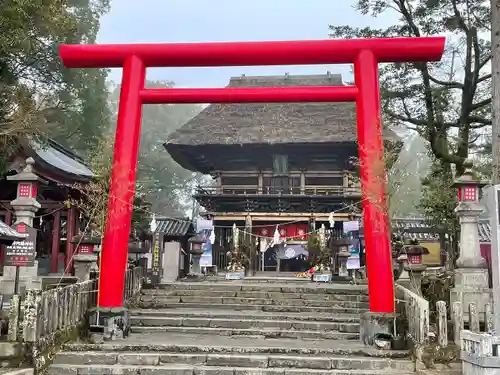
(22, 253)
(155, 269)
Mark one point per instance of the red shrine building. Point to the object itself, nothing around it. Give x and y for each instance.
(288, 166)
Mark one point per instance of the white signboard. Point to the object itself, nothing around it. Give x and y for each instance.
(234, 276)
(325, 277)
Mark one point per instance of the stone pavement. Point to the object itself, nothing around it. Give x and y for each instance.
(239, 328)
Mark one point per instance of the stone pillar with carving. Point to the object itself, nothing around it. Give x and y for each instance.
(471, 274)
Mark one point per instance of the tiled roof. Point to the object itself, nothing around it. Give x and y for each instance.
(58, 157)
(172, 227)
(9, 234)
(410, 224)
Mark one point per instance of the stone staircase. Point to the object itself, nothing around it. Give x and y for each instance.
(239, 328)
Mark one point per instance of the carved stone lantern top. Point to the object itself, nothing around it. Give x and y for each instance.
(415, 250)
(469, 186)
(26, 174)
(26, 203)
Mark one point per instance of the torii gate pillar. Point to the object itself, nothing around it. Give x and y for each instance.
(365, 54)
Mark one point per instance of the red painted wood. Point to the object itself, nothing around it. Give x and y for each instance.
(303, 52)
(56, 243)
(251, 95)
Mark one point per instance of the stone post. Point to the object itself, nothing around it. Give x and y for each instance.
(25, 206)
(471, 275)
(84, 265)
(493, 195)
(403, 262)
(415, 271)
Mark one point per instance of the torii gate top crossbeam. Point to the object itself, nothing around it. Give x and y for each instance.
(309, 52)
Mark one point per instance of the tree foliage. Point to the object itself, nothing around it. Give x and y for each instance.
(405, 179)
(439, 199)
(167, 185)
(38, 96)
(447, 102)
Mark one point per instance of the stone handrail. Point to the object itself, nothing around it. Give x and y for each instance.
(416, 311)
(47, 319)
(474, 320)
(479, 352)
(43, 314)
(478, 345)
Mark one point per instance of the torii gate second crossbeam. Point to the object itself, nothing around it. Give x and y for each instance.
(365, 54)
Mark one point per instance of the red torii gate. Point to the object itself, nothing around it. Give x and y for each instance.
(365, 54)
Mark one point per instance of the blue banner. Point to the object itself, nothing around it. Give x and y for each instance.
(205, 228)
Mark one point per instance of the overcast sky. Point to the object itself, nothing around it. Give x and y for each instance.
(156, 21)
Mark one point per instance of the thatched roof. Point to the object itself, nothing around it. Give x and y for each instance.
(272, 123)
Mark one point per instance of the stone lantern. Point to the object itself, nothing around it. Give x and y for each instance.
(25, 205)
(468, 212)
(85, 258)
(413, 264)
(344, 254)
(196, 251)
(471, 274)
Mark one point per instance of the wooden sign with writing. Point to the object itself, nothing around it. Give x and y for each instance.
(22, 253)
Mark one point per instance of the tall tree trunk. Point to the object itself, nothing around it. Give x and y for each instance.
(495, 69)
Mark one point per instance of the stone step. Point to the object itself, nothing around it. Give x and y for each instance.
(257, 294)
(253, 301)
(202, 370)
(263, 333)
(238, 323)
(310, 288)
(17, 371)
(243, 315)
(170, 342)
(289, 278)
(71, 359)
(161, 303)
